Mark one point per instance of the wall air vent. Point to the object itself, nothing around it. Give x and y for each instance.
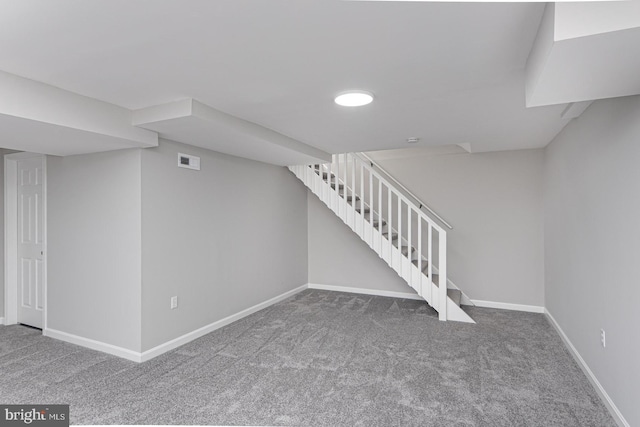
(189, 162)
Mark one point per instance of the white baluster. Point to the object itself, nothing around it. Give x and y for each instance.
(370, 204)
(409, 240)
(369, 232)
(420, 275)
(379, 250)
(353, 191)
(343, 170)
(327, 169)
(442, 275)
(430, 262)
(338, 205)
(400, 243)
(390, 228)
(409, 247)
(361, 223)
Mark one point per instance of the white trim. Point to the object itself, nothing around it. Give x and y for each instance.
(376, 292)
(93, 344)
(11, 235)
(1, 320)
(177, 342)
(608, 402)
(136, 356)
(45, 248)
(10, 238)
(508, 306)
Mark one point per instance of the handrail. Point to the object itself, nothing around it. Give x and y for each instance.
(398, 194)
(422, 205)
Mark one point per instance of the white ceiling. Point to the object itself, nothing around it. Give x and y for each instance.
(449, 73)
(194, 123)
(583, 52)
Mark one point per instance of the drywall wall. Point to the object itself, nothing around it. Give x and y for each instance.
(2, 153)
(338, 257)
(494, 202)
(94, 242)
(222, 239)
(592, 178)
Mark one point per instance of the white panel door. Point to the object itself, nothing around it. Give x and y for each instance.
(30, 242)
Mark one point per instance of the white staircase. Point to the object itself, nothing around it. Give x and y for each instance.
(406, 238)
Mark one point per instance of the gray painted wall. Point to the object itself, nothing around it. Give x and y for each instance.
(222, 239)
(2, 153)
(338, 257)
(94, 242)
(592, 243)
(494, 202)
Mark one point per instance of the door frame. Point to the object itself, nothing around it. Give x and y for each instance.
(11, 236)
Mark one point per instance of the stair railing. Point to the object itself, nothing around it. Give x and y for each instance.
(365, 200)
(422, 205)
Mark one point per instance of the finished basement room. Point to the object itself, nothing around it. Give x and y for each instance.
(319, 213)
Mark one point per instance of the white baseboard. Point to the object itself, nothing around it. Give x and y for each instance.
(177, 342)
(1, 320)
(93, 344)
(613, 409)
(508, 306)
(364, 291)
(169, 345)
(408, 295)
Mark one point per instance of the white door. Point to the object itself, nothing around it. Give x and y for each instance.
(30, 241)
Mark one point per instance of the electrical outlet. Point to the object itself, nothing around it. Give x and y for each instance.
(174, 302)
(603, 338)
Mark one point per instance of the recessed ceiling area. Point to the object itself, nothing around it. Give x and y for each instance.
(446, 73)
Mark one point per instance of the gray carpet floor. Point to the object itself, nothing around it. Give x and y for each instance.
(320, 359)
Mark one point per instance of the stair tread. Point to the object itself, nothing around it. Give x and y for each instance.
(341, 191)
(394, 236)
(376, 223)
(405, 250)
(425, 264)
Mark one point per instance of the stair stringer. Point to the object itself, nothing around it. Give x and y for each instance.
(375, 239)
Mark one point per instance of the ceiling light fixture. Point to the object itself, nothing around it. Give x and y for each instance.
(354, 98)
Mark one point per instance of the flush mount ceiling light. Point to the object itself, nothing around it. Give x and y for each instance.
(354, 98)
